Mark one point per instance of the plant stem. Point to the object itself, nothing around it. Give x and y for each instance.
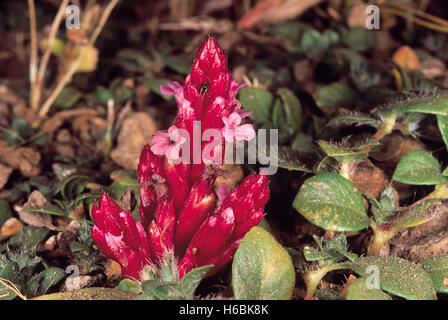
(46, 56)
(440, 192)
(380, 238)
(75, 65)
(312, 278)
(344, 170)
(387, 126)
(33, 54)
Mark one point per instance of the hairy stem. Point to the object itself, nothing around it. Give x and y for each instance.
(380, 238)
(312, 278)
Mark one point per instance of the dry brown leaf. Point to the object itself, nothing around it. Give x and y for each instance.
(5, 172)
(50, 243)
(10, 227)
(127, 201)
(58, 119)
(275, 11)
(369, 179)
(35, 200)
(112, 268)
(26, 160)
(407, 59)
(433, 68)
(135, 132)
(357, 15)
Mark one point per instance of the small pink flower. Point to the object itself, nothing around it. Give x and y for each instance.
(177, 90)
(234, 131)
(172, 88)
(221, 192)
(168, 143)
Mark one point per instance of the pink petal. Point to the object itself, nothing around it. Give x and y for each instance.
(244, 132)
(171, 88)
(221, 192)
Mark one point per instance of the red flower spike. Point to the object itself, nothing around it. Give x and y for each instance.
(186, 264)
(165, 219)
(251, 195)
(106, 214)
(211, 237)
(157, 242)
(148, 165)
(225, 256)
(130, 232)
(198, 206)
(177, 182)
(144, 248)
(134, 267)
(119, 236)
(150, 177)
(100, 240)
(177, 205)
(251, 221)
(209, 78)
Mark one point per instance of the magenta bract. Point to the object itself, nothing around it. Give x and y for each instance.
(178, 209)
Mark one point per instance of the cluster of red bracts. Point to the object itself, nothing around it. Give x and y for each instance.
(177, 215)
(178, 210)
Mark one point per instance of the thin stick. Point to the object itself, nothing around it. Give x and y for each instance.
(46, 57)
(416, 20)
(74, 67)
(418, 12)
(33, 57)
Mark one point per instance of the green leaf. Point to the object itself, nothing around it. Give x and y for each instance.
(335, 95)
(50, 277)
(192, 280)
(10, 272)
(314, 44)
(359, 39)
(432, 103)
(397, 276)
(129, 285)
(312, 254)
(419, 167)
(291, 159)
(279, 121)
(344, 60)
(437, 268)
(303, 143)
(257, 100)
(68, 97)
(358, 291)
(19, 130)
(332, 202)
(292, 107)
(89, 294)
(419, 214)
(442, 122)
(28, 237)
(342, 154)
(262, 269)
(353, 119)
